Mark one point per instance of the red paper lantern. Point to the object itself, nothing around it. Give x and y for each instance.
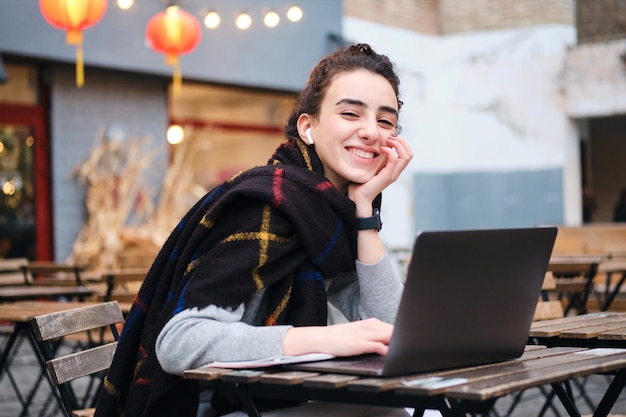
(174, 32)
(74, 16)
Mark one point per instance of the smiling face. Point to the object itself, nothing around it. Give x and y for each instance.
(358, 113)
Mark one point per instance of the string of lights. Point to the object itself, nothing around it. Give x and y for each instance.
(212, 19)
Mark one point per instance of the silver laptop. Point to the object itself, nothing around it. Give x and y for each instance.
(469, 299)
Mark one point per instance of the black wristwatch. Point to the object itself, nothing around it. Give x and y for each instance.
(374, 222)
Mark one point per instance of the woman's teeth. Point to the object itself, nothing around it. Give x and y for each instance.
(362, 153)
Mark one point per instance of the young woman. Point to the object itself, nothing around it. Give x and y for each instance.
(249, 270)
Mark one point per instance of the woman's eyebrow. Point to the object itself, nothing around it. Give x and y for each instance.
(360, 103)
(388, 109)
(352, 101)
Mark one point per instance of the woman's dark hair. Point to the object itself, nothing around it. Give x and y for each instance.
(352, 58)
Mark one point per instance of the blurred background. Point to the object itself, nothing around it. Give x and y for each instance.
(515, 109)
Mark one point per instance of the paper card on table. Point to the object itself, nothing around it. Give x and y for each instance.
(601, 351)
(434, 382)
(271, 361)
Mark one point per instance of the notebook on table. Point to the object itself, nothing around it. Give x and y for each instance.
(469, 299)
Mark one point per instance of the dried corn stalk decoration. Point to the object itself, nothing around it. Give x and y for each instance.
(180, 189)
(117, 195)
(123, 227)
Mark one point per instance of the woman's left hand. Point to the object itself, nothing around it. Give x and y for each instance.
(399, 154)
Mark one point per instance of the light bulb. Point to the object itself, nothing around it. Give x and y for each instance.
(244, 21)
(175, 134)
(212, 20)
(271, 19)
(294, 13)
(125, 4)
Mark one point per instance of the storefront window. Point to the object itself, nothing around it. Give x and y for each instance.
(227, 129)
(25, 227)
(17, 203)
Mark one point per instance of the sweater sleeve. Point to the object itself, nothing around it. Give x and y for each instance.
(195, 337)
(374, 291)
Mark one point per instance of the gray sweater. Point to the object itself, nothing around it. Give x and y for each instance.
(195, 337)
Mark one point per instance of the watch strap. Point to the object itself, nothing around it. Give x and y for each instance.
(367, 223)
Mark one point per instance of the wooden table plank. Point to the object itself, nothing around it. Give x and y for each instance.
(206, 373)
(619, 334)
(557, 326)
(591, 332)
(575, 320)
(287, 378)
(376, 384)
(23, 311)
(30, 292)
(582, 363)
(329, 381)
(242, 375)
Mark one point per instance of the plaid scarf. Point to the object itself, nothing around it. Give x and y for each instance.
(283, 227)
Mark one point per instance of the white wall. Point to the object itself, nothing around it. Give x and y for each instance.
(483, 101)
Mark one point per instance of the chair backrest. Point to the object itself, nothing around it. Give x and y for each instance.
(122, 285)
(546, 308)
(63, 369)
(10, 270)
(56, 273)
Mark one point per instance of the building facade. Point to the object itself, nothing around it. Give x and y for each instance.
(494, 109)
(57, 126)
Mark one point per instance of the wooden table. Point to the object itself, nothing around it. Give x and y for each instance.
(34, 292)
(20, 313)
(602, 329)
(453, 392)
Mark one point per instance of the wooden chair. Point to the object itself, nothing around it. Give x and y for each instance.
(10, 270)
(608, 289)
(90, 361)
(122, 285)
(547, 308)
(55, 273)
(574, 280)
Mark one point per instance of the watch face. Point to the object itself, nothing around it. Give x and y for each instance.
(378, 220)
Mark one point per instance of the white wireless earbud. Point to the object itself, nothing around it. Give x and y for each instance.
(308, 136)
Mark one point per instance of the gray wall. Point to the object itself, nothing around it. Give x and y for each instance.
(137, 104)
(278, 58)
(478, 200)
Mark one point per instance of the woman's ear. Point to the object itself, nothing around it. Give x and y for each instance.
(304, 129)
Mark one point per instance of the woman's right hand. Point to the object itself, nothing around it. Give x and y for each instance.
(346, 339)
